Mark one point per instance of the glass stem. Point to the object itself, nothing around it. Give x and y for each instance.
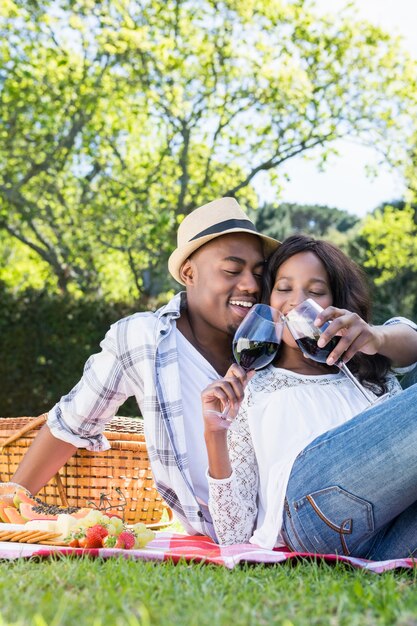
(354, 380)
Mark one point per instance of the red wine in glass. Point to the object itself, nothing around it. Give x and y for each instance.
(309, 347)
(300, 322)
(254, 355)
(257, 339)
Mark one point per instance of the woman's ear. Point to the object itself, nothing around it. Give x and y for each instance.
(187, 272)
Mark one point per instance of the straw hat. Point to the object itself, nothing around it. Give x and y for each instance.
(212, 220)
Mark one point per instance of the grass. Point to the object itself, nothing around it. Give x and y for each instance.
(120, 592)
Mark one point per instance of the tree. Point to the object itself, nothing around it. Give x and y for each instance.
(119, 117)
(387, 244)
(289, 218)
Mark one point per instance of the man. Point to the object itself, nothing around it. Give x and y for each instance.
(165, 359)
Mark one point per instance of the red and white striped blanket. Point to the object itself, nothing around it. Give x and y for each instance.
(175, 547)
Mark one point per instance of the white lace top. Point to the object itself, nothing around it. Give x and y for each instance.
(281, 414)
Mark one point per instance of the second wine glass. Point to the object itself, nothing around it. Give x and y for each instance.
(300, 322)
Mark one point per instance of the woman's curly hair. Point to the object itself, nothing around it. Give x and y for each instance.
(349, 290)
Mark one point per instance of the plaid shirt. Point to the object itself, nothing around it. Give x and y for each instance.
(139, 358)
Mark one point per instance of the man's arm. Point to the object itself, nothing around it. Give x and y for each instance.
(399, 341)
(396, 339)
(44, 458)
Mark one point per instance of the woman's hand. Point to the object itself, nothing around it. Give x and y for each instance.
(355, 334)
(224, 396)
(224, 393)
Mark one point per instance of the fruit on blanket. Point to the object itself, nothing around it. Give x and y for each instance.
(13, 515)
(3, 516)
(125, 540)
(115, 526)
(74, 543)
(93, 517)
(22, 495)
(45, 511)
(143, 535)
(97, 530)
(93, 537)
(110, 541)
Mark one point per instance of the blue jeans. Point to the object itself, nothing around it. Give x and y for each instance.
(353, 490)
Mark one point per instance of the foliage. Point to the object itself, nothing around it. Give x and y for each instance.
(45, 340)
(121, 592)
(386, 243)
(118, 118)
(392, 237)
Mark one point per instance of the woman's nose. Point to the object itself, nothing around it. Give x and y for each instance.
(297, 298)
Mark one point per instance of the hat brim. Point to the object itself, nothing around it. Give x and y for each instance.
(181, 254)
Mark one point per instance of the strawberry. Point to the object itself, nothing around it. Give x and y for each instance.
(74, 543)
(109, 541)
(93, 537)
(125, 540)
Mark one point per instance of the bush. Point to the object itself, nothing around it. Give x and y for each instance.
(45, 340)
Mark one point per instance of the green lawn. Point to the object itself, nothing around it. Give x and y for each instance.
(117, 592)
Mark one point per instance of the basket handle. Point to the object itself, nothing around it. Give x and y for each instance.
(32, 425)
(158, 525)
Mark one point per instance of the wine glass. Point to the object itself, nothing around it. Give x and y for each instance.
(300, 322)
(257, 339)
(255, 344)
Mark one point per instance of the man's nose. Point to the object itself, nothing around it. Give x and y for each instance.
(249, 283)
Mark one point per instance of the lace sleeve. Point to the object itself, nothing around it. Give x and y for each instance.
(232, 501)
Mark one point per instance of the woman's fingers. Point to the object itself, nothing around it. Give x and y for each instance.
(225, 395)
(226, 391)
(354, 334)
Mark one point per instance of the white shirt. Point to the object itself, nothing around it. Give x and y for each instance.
(195, 374)
(281, 414)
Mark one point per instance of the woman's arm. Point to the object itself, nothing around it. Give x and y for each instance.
(225, 393)
(233, 501)
(233, 473)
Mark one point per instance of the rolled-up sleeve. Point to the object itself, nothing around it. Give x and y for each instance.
(80, 416)
(402, 320)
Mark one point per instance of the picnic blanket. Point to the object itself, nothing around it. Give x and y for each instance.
(175, 547)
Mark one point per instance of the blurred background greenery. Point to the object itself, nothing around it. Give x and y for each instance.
(118, 117)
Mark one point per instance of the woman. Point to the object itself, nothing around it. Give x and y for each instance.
(309, 465)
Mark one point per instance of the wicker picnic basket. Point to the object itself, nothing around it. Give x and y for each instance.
(119, 478)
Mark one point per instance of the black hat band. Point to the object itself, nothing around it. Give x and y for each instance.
(226, 225)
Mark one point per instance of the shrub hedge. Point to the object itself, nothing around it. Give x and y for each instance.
(45, 340)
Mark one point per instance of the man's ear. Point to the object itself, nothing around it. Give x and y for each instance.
(187, 272)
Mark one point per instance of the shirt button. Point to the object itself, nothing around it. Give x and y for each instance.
(199, 513)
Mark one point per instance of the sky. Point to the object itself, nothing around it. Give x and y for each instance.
(344, 183)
